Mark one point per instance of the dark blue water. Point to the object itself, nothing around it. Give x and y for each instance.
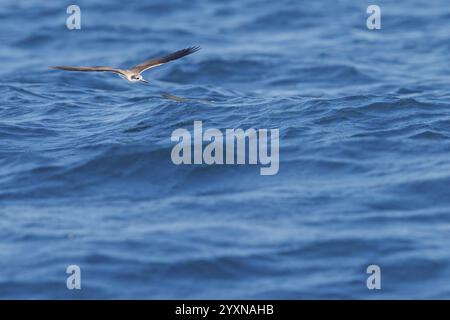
(86, 176)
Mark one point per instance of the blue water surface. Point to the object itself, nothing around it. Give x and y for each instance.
(86, 176)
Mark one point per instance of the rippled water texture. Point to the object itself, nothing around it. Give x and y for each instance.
(86, 176)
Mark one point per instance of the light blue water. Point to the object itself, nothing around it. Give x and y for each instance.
(364, 117)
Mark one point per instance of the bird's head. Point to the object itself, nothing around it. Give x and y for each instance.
(138, 77)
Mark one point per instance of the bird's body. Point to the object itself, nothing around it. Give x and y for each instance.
(131, 76)
(134, 74)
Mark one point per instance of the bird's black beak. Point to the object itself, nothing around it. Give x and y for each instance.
(143, 80)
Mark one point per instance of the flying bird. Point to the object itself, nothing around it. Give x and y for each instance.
(134, 74)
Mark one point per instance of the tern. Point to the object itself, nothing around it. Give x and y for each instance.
(134, 74)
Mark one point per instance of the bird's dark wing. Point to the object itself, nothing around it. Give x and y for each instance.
(159, 61)
(87, 69)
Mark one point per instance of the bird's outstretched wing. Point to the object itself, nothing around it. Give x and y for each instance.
(159, 61)
(87, 69)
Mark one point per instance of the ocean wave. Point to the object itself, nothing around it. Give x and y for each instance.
(86, 175)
